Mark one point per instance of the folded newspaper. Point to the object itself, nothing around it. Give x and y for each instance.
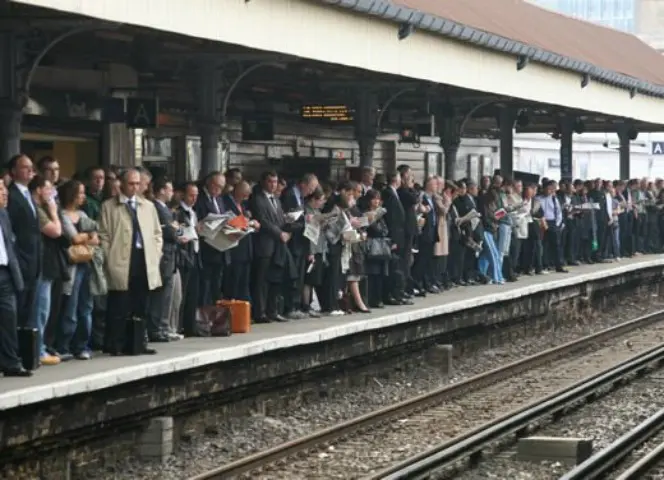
(587, 206)
(228, 238)
(374, 215)
(219, 235)
(293, 216)
(316, 223)
(214, 222)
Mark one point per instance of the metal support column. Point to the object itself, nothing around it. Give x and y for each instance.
(624, 151)
(566, 149)
(366, 118)
(507, 118)
(450, 139)
(10, 96)
(210, 99)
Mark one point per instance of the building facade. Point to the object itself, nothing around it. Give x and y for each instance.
(618, 14)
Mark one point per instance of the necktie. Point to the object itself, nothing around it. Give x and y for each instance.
(555, 210)
(274, 202)
(215, 204)
(136, 239)
(28, 199)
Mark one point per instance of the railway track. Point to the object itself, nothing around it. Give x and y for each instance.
(469, 447)
(378, 439)
(637, 455)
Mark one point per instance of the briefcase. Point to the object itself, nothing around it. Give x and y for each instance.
(213, 321)
(135, 339)
(28, 348)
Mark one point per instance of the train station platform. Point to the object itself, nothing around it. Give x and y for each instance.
(89, 396)
(79, 377)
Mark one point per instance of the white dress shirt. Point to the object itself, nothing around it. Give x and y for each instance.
(193, 221)
(132, 203)
(28, 198)
(4, 257)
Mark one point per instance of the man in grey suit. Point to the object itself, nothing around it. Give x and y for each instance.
(11, 284)
(160, 299)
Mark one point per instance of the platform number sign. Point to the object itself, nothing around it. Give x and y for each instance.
(657, 148)
(142, 113)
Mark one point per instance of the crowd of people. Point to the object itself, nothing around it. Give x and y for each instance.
(101, 262)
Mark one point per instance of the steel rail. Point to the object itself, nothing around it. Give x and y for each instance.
(471, 444)
(645, 463)
(389, 413)
(604, 461)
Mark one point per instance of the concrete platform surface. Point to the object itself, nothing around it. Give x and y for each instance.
(77, 377)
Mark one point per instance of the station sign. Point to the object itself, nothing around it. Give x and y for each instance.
(657, 148)
(328, 113)
(142, 113)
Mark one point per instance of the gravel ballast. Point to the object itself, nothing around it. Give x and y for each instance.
(243, 435)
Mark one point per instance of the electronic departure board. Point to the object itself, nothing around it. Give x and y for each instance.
(329, 113)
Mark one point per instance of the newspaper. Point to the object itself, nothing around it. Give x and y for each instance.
(189, 233)
(472, 217)
(213, 223)
(587, 206)
(293, 216)
(316, 223)
(514, 207)
(227, 238)
(216, 232)
(373, 216)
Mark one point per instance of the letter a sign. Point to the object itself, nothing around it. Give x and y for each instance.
(657, 148)
(142, 113)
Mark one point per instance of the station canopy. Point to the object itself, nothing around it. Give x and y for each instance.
(167, 63)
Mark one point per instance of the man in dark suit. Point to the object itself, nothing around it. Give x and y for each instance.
(189, 260)
(160, 299)
(568, 200)
(11, 284)
(292, 200)
(268, 242)
(238, 274)
(395, 218)
(410, 200)
(214, 262)
(423, 268)
(23, 216)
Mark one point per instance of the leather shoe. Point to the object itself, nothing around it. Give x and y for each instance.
(17, 372)
(160, 339)
(148, 351)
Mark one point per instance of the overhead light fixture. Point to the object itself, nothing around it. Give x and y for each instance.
(522, 119)
(585, 80)
(579, 126)
(556, 133)
(632, 133)
(405, 29)
(521, 62)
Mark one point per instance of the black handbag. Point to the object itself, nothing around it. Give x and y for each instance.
(135, 336)
(379, 248)
(28, 348)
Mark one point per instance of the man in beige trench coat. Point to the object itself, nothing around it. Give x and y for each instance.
(132, 240)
